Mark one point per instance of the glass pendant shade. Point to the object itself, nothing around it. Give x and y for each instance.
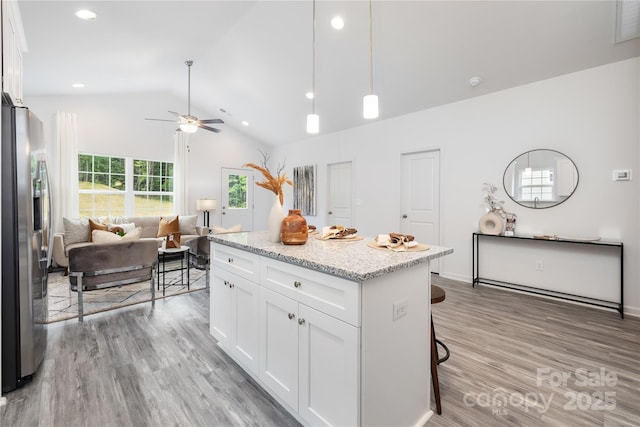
(370, 106)
(313, 123)
(188, 127)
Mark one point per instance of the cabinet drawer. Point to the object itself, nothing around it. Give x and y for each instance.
(328, 294)
(242, 263)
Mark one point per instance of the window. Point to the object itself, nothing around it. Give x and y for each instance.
(237, 191)
(536, 184)
(121, 186)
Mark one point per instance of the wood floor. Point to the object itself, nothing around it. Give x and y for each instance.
(141, 367)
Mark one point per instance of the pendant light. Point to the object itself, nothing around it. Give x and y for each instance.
(370, 102)
(313, 120)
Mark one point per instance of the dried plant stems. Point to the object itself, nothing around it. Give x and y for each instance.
(271, 183)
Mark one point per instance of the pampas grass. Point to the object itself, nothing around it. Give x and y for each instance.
(271, 183)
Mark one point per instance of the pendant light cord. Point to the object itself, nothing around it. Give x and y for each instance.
(371, 45)
(313, 62)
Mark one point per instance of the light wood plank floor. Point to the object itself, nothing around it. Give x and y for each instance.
(142, 367)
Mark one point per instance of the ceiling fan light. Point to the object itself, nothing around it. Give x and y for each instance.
(370, 107)
(188, 127)
(313, 123)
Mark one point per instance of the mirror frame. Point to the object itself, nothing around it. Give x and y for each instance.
(547, 206)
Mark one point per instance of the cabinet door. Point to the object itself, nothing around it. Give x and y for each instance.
(246, 342)
(329, 373)
(221, 306)
(279, 345)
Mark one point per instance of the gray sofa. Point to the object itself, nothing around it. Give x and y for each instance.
(77, 233)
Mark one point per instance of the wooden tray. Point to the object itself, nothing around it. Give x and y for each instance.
(418, 248)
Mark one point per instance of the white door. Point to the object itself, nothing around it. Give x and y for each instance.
(237, 198)
(340, 194)
(328, 369)
(420, 197)
(247, 324)
(279, 345)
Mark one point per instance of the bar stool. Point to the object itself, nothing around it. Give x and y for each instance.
(437, 295)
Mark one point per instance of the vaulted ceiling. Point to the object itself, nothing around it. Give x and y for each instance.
(253, 59)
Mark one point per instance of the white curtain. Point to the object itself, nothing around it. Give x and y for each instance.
(180, 168)
(65, 202)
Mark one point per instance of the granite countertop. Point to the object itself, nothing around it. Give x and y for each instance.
(352, 260)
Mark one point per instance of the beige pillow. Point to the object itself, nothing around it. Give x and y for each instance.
(94, 225)
(75, 230)
(126, 227)
(233, 229)
(101, 236)
(188, 224)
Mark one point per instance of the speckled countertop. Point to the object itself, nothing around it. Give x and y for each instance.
(352, 260)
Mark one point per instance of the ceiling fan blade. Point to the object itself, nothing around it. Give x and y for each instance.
(208, 128)
(176, 114)
(161, 120)
(211, 121)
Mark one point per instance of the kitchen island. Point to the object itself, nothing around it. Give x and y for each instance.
(336, 331)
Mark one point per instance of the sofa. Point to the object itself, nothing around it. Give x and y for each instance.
(78, 231)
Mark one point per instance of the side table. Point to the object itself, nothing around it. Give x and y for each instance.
(162, 268)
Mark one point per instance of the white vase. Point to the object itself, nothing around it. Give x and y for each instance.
(274, 223)
(491, 223)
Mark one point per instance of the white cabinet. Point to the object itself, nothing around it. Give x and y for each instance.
(234, 317)
(310, 360)
(12, 47)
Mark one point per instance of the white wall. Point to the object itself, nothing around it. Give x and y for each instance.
(114, 125)
(591, 116)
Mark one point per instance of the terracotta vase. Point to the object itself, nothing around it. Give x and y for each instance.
(294, 230)
(275, 221)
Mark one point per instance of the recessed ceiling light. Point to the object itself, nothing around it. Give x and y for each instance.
(86, 14)
(77, 85)
(309, 95)
(245, 123)
(337, 22)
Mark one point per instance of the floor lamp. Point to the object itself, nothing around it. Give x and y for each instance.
(206, 205)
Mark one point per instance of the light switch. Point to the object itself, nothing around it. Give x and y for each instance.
(621, 175)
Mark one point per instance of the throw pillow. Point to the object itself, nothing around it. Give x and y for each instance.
(94, 225)
(168, 226)
(125, 227)
(75, 230)
(219, 230)
(103, 236)
(188, 224)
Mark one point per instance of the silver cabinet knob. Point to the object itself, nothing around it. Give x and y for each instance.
(330, 213)
(404, 216)
(297, 284)
(230, 260)
(291, 316)
(300, 321)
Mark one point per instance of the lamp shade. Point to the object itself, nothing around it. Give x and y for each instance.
(313, 123)
(370, 107)
(188, 127)
(206, 204)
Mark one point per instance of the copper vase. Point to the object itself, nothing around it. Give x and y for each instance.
(294, 230)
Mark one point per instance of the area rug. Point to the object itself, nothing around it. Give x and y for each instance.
(63, 302)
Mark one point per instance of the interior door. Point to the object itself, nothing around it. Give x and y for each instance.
(237, 198)
(340, 194)
(420, 197)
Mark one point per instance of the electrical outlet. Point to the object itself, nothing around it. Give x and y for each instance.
(539, 265)
(400, 309)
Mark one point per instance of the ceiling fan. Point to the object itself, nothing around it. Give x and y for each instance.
(187, 122)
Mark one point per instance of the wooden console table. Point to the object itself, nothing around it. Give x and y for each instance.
(475, 249)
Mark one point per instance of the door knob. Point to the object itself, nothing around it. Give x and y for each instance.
(404, 216)
(330, 213)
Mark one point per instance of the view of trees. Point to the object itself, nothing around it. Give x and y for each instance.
(237, 191)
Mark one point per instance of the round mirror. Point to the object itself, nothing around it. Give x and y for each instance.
(540, 179)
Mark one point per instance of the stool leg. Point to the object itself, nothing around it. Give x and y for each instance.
(434, 370)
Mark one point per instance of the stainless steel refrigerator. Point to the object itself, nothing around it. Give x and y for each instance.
(26, 239)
